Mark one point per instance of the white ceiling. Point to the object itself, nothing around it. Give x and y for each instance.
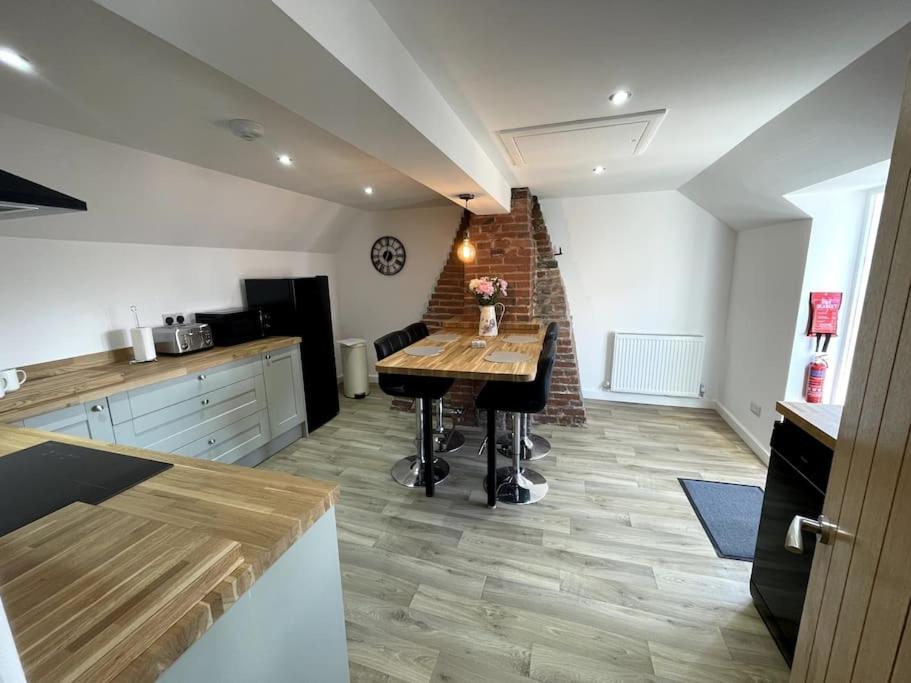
(102, 76)
(845, 124)
(721, 68)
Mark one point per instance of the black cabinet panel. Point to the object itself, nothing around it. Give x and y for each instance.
(795, 485)
(301, 307)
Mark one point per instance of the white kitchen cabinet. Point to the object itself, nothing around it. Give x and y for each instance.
(284, 389)
(89, 420)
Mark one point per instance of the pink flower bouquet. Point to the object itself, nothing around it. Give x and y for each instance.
(488, 290)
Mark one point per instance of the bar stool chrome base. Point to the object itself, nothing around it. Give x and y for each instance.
(519, 487)
(410, 471)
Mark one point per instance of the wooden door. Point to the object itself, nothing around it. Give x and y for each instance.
(856, 623)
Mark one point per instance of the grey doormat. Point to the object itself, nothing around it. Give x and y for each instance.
(729, 513)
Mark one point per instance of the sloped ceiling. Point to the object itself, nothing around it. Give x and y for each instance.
(846, 124)
(102, 76)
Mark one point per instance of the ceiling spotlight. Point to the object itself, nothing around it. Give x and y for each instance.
(285, 160)
(368, 190)
(598, 170)
(620, 97)
(15, 60)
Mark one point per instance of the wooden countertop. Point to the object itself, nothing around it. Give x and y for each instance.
(460, 360)
(72, 381)
(120, 590)
(819, 420)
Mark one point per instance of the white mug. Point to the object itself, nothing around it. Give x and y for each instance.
(12, 379)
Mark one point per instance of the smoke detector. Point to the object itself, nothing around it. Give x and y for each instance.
(246, 129)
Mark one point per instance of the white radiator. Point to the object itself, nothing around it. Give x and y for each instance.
(658, 364)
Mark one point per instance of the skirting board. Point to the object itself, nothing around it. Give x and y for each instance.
(647, 399)
(761, 451)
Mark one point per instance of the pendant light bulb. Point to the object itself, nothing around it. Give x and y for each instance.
(467, 251)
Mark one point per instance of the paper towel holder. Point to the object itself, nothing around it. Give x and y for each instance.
(142, 342)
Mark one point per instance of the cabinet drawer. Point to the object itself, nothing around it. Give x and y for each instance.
(229, 444)
(138, 402)
(59, 420)
(89, 421)
(182, 423)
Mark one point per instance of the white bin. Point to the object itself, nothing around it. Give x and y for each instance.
(354, 367)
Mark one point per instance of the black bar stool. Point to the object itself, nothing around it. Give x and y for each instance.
(516, 484)
(533, 446)
(444, 440)
(414, 470)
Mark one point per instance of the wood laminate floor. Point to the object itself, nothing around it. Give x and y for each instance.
(609, 578)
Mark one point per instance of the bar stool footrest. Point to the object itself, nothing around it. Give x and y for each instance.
(519, 488)
(410, 471)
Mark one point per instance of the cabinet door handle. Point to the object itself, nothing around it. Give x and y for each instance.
(201, 378)
(822, 527)
(268, 356)
(98, 408)
(205, 401)
(211, 442)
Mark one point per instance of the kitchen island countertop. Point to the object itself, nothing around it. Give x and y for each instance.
(119, 590)
(819, 420)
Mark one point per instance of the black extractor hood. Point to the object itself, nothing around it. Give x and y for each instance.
(21, 198)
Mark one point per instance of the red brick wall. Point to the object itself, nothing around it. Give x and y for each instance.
(515, 246)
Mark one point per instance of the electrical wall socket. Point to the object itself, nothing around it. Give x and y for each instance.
(756, 409)
(174, 318)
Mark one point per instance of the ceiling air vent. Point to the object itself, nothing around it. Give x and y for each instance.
(589, 140)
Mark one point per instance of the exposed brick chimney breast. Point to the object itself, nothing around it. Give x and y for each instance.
(515, 246)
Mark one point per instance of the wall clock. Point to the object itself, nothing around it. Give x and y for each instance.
(388, 255)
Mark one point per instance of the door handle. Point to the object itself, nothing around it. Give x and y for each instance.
(98, 408)
(822, 527)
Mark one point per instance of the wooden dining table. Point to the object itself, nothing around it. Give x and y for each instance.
(458, 359)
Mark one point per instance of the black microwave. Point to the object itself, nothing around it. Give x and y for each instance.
(236, 325)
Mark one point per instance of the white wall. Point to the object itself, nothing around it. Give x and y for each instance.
(648, 262)
(62, 298)
(70, 294)
(372, 304)
(839, 220)
(765, 297)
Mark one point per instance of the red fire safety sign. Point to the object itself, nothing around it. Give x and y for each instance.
(824, 308)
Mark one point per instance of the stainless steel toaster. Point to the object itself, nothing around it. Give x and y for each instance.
(177, 339)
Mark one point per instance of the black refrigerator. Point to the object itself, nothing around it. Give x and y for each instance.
(299, 307)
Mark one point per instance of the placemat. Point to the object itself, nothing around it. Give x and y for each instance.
(423, 350)
(520, 339)
(507, 357)
(444, 337)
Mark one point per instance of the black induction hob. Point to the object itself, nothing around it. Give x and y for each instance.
(36, 481)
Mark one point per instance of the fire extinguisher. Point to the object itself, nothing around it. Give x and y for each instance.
(816, 378)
